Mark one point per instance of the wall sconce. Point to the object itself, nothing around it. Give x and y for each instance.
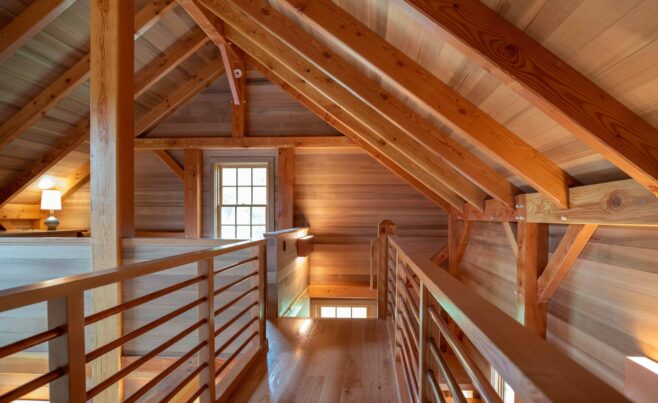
(51, 200)
(304, 246)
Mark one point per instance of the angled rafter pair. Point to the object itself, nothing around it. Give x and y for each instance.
(145, 79)
(375, 129)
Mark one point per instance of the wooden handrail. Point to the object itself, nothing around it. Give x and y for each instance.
(535, 370)
(17, 297)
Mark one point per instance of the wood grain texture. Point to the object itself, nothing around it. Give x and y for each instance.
(598, 119)
(418, 83)
(602, 311)
(531, 260)
(193, 193)
(310, 73)
(317, 371)
(171, 162)
(351, 126)
(613, 203)
(32, 20)
(573, 243)
(335, 193)
(285, 206)
(112, 166)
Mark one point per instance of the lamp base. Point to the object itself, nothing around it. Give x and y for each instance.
(51, 223)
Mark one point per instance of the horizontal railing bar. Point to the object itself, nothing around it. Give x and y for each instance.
(31, 386)
(410, 303)
(235, 354)
(172, 393)
(235, 318)
(406, 366)
(159, 377)
(235, 336)
(407, 322)
(235, 265)
(479, 380)
(436, 391)
(92, 355)
(143, 359)
(24, 344)
(141, 300)
(407, 345)
(533, 368)
(223, 308)
(236, 282)
(455, 390)
(17, 297)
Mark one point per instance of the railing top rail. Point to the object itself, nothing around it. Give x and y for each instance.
(17, 297)
(536, 370)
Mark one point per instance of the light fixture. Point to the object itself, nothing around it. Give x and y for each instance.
(51, 200)
(46, 183)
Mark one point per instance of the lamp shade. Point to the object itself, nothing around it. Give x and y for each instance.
(51, 200)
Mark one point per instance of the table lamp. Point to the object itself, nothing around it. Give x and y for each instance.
(51, 200)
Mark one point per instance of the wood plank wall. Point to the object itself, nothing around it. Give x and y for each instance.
(343, 194)
(604, 310)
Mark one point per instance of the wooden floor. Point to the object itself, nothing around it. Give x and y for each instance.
(323, 360)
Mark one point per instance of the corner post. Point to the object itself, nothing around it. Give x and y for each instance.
(206, 289)
(68, 350)
(193, 189)
(386, 228)
(532, 257)
(112, 167)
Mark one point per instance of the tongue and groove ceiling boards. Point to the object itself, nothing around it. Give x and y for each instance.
(465, 100)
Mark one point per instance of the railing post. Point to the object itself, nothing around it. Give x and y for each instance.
(422, 340)
(262, 289)
(386, 228)
(68, 350)
(207, 332)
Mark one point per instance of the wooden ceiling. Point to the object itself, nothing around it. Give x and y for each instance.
(612, 43)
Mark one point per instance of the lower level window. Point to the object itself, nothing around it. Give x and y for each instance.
(346, 312)
(243, 200)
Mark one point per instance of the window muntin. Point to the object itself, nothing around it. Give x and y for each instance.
(243, 200)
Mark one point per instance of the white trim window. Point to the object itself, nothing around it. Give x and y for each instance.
(243, 195)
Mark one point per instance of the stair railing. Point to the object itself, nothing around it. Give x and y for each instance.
(440, 325)
(67, 321)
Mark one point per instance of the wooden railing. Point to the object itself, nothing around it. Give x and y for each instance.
(447, 339)
(67, 321)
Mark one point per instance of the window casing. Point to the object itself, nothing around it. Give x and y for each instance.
(243, 199)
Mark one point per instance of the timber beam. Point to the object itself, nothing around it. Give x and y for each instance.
(216, 143)
(386, 136)
(571, 99)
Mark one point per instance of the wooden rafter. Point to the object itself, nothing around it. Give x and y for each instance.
(75, 180)
(169, 60)
(561, 262)
(171, 162)
(214, 143)
(598, 119)
(36, 17)
(78, 134)
(462, 115)
(213, 27)
(279, 35)
(179, 96)
(441, 256)
(330, 112)
(379, 133)
(66, 83)
(151, 13)
(44, 101)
